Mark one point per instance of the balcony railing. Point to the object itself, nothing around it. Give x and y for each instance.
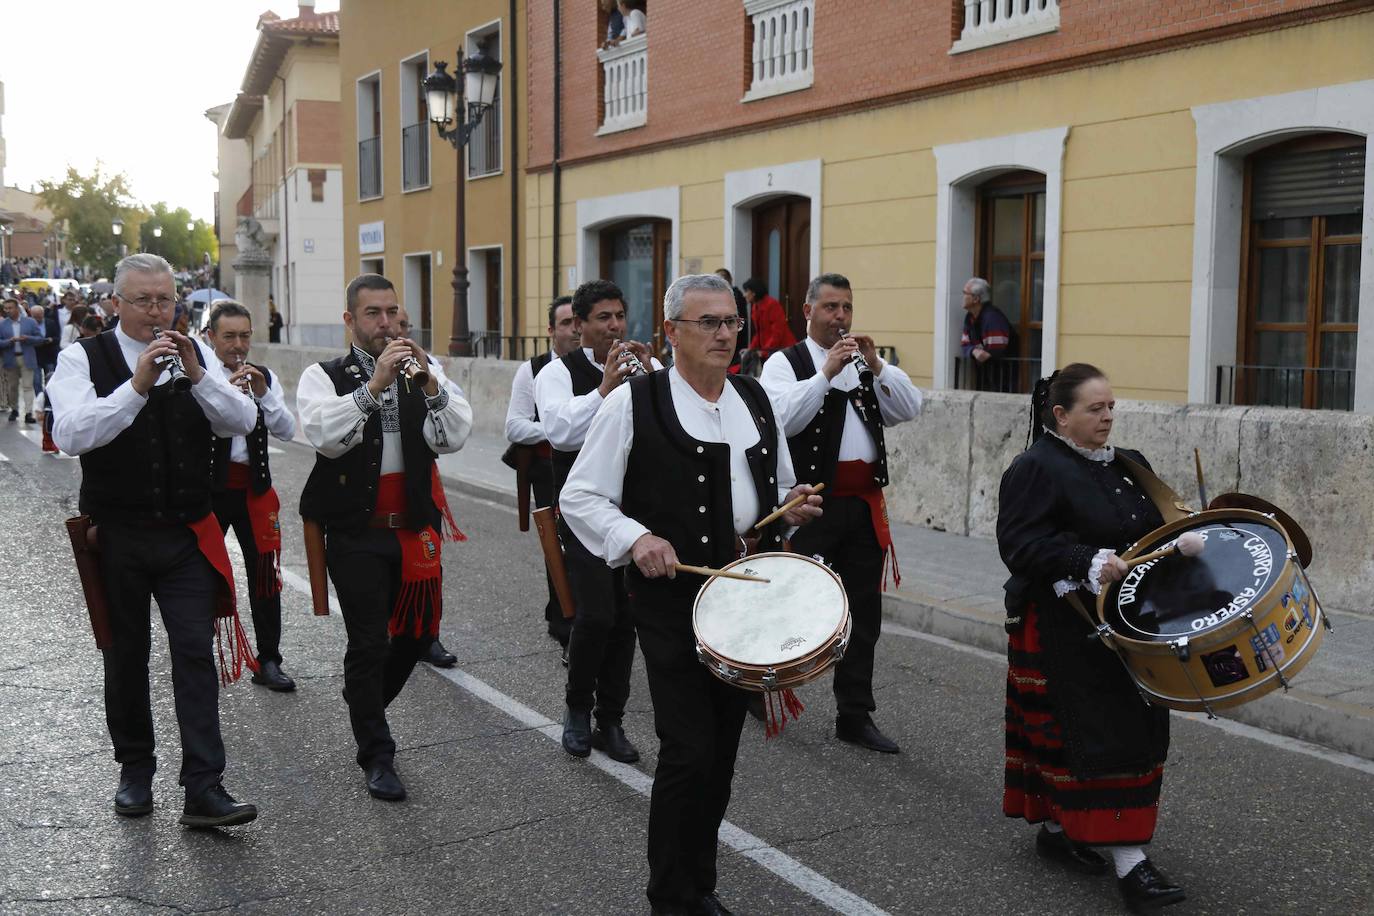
(484, 149)
(991, 22)
(264, 200)
(1007, 374)
(625, 84)
(491, 345)
(1285, 386)
(414, 158)
(783, 34)
(370, 168)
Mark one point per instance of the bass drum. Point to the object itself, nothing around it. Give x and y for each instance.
(1218, 629)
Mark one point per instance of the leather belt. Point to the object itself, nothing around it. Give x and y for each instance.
(388, 520)
(746, 546)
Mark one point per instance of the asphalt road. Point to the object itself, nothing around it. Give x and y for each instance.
(501, 820)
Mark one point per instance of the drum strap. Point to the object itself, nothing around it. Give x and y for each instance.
(1170, 505)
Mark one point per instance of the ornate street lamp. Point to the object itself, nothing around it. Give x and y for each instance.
(117, 227)
(456, 114)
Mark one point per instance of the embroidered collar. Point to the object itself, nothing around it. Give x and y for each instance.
(1106, 454)
(365, 359)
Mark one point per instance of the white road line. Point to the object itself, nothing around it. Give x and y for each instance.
(1240, 729)
(36, 438)
(4, 457)
(742, 841)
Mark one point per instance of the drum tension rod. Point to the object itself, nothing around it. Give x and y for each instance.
(1181, 650)
(1268, 650)
(1316, 602)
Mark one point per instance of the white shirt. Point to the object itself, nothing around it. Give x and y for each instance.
(798, 401)
(333, 423)
(70, 333)
(521, 426)
(279, 420)
(634, 22)
(566, 418)
(590, 500)
(84, 421)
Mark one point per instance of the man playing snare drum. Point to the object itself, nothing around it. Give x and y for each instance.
(678, 466)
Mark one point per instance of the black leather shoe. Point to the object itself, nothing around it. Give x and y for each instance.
(28, 418)
(383, 783)
(440, 657)
(134, 798)
(577, 732)
(612, 740)
(272, 677)
(1145, 887)
(710, 905)
(863, 732)
(215, 807)
(1059, 848)
(14, 415)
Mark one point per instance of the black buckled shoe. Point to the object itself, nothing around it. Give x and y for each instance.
(862, 731)
(1146, 888)
(577, 732)
(134, 797)
(271, 676)
(710, 905)
(215, 807)
(1059, 848)
(383, 783)
(440, 657)
(612, 740)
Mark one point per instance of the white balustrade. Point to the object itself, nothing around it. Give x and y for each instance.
(991, 22)
(625, 84)
(783, 35)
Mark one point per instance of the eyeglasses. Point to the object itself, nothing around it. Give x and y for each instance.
(713, 323)
(148, 303)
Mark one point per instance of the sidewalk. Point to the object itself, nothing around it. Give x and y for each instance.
(952, 587)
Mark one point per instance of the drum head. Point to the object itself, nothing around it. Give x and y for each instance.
(754, 623)
(1243, 558)
(1301, 545)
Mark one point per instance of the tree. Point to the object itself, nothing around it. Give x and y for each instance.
(185, 250)
(89, 204)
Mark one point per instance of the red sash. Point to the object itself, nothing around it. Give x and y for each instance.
(421, 567)
(228, 627)
(436, 492)
(262, 519)
(855, 478)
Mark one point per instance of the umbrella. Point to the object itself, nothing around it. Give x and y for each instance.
(102, 287)
(207, 295)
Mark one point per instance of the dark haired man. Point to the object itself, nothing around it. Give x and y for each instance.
(242, 482)
(601, 647)
(834, 416)
(376, 436)
(525, 432)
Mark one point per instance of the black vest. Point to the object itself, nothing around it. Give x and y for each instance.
(342, 492)
(816, 449)
(671, 477)
(586, 378)
(157, 471)
(260, 475)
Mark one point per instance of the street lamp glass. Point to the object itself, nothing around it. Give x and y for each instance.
(157, 232)
(190, 226)
(117, 227)
(441, 95)
(480, 79)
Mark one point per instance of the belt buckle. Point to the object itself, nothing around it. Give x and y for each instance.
(395, 520)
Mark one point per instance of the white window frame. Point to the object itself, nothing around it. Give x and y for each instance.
(747, 189)
(595, 213)
(962, 168)
(379, 257)
(424, 119)
(1228, 132)
(380, 135)
(405, 289)
(499, 109)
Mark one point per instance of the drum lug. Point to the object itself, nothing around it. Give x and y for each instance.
(1104, 633)
(1180, 647)
(769, 679)
(726, 672)
(702, 656)
(840, 648)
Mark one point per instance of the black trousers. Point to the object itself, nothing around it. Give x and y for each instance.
(698, 719)
(138, 564)
(365, 567)
(541, 482)
(231, 508)
(845, 538)
(601, 648)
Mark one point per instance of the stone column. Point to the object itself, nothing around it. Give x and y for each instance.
(253, 274)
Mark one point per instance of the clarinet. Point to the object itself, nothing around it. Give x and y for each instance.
(632, 360)
(858, 360)
(172, 364)
(244, 384)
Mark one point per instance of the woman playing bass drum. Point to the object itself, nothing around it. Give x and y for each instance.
(1084, 753)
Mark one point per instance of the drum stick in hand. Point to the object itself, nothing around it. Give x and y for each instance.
(786, 507)
(1189, 544)
(723, 573)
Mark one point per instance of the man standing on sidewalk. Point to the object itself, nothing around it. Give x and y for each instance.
(525, 432)
(601, 648)
(834, 415)
(19, 335)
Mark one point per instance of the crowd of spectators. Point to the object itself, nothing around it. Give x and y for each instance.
(12, 270)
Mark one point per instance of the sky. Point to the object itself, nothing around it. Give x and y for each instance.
(126, 84)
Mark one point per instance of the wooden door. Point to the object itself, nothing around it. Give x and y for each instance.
(493, 290)
(782, 254)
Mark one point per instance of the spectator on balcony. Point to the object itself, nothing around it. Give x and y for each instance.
(988, 339)
(634, 22)
(771, 331)
(615, 23)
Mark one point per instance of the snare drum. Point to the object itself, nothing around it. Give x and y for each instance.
(1221, 628)
(774, 635)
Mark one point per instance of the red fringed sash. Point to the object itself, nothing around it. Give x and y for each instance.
(263, 519)
(855, 478)
(436, 492)
(779, 705)
(420, 597)
(228, 627)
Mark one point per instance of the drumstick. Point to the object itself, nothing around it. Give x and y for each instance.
(1201, 487)
(1189, 544)
(723, 573)
(786, 507)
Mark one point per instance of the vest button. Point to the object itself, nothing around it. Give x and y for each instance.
(704, 539)
(813, 467)
(701, 509)
(815, 448)
(765, 451)
(701, 478)
(770, 480)
(700, 449)
(816, 430)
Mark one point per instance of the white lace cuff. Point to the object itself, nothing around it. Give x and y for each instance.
(1063, 587)
(1095, 569)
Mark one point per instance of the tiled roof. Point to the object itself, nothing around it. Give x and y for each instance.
(275, 35)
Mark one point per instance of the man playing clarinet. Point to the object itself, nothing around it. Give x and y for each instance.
(834, 412)
(677, 467)
(376, 433)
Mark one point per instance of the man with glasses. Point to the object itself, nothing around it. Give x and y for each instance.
(145, 483)
(679, 466)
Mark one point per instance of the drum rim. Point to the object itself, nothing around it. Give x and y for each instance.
(1186, 523)
(754, 666)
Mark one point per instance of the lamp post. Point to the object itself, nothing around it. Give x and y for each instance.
(117, 228)
(456, 109)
